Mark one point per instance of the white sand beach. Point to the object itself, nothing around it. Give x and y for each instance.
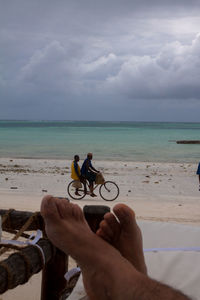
(166, 192)
(156, 191)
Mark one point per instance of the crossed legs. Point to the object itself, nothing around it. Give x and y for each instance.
(68, 230)
(107, 273)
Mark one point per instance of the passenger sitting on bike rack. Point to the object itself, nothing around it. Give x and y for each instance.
(76, 172)
(89, 172)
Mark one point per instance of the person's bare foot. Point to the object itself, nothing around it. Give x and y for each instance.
(101, 264)
(124, 235)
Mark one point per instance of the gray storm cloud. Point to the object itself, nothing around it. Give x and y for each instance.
(173, 73)
(55, 57)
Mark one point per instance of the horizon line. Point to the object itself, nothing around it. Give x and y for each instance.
(109, 121)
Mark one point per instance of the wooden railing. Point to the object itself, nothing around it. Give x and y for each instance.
(27, 261)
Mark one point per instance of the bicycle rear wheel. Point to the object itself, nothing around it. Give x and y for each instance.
(109, 191)
(71, 189)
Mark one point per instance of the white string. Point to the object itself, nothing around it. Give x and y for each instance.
(71, 273)
(34, 242)
(30, 241)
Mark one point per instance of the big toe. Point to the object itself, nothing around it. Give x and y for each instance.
(48, 208)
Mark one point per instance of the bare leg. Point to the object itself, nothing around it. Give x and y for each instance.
(91, 186)
(124, 235)
(77, 192)
(107, 275)
(68, 230)
(83, 180)
(199, 182)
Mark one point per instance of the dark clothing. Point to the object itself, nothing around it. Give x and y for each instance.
(198, 170)
(85, 167)
(86, 170)
(91, 176)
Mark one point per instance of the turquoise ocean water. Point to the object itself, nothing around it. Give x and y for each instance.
(129, 141)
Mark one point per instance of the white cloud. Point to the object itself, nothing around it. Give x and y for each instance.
(172, 73)
(100, 52)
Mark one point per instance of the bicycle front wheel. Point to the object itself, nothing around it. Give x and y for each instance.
(109, 191)
(74, 193)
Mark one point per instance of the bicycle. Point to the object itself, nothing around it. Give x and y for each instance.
(108, 191)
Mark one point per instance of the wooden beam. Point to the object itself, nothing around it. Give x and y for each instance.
(53, 281)
(16, 219)
(20, 266)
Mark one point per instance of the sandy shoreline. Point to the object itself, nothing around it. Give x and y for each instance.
(166, 192)
(157, 191)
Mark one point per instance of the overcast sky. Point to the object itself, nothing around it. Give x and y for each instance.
(100, 60)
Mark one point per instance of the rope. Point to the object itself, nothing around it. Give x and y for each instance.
(15, 244)
(25, 235)
(28, 268)
(6, 217)
(22, 229)
(25, 226)
(18, 245)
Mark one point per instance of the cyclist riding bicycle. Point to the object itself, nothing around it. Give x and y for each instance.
(89, 172)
